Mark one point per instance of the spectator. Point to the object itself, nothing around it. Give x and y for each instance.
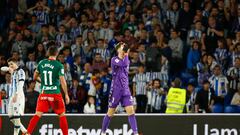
(16, 56)
(203, 69)
(156, 97)
(211, 63)
(235, 104)
(106, 33)
(40, 52)
(142, 53)
(85, 77)
(134, 64)
(21, 46)
(236, 53)
(196, 33)
(76, 69)
(67, 74)
(221, 54)
(74, 105)
(140, 81)
(31, 64)
(191, 98)
(203, 103)
(176, 45)
(68, 56)
(78, 48)
(152, 57)
(185, 20)
(233, 75)
(212, 34)
(3, 46)
(76, 11)
(41, 11)
(75, 29)
(34, 26)
(102, 50)
(31, 97)
(89, 107)
(105, 90)
(4, 102)
(98, 63)
(62, 37)
(193, 57)
(7, 84)
(219, 83)
(172, 15)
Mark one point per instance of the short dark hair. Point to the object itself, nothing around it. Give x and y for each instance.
(52, 51)
(217, 66)
(11, 60)
(96, 71)
(237, 58)
(76, 57)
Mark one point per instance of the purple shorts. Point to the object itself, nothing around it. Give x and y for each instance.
(124, 100)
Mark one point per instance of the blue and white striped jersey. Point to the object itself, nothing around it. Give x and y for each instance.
(6, 87)
(17, 76)
(219, 84)
(141, 81)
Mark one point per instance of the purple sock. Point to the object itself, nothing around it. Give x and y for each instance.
(133, 123)
(105, 123)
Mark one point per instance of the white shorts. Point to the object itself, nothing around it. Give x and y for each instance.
(17, 108)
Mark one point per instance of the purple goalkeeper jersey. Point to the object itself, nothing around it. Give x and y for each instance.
(120, 84)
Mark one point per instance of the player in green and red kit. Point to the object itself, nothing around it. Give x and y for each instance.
(51, 73)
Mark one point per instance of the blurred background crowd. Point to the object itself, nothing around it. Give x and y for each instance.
(197, 41)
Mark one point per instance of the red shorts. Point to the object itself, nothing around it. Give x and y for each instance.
(55, 101)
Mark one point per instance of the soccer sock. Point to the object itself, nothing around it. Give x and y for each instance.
(133, 123)
(63, 124)
(105, 123)
(18, 123)
(32, 124)
(16, 130)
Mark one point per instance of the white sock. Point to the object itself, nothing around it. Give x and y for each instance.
(17, 122)
(22, 128)
(16, 131)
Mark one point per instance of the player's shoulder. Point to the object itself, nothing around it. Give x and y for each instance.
(58, 63)
(20, 70)
(42, 61)
(115, 59)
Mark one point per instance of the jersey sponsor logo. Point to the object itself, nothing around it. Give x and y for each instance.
(116, 60)
(47, 98)
(49, 87)
(48, 129)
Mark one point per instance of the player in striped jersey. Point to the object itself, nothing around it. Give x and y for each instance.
(16, 96)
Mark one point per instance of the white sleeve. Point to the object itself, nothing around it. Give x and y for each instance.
(20, 87)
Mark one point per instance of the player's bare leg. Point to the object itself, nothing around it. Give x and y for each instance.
(106, 120)
(132, 119)
(63, 123)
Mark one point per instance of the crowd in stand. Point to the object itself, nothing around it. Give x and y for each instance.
(197, 41)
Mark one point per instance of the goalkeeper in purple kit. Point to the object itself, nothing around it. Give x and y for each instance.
(120, 92)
